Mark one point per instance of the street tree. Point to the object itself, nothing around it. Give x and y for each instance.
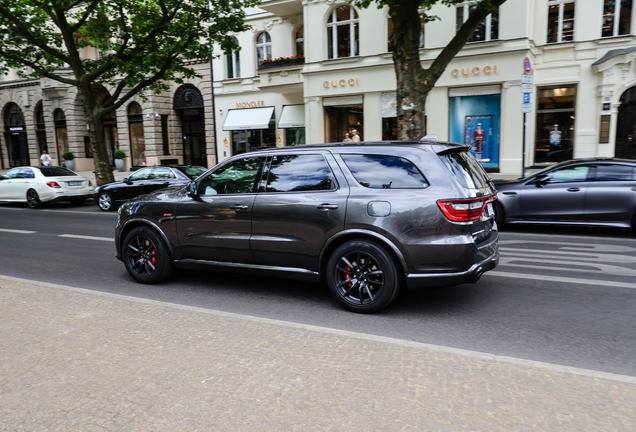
(414, 82)
(142, 46)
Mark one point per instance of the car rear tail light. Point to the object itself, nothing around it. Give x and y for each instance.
(53, 184)
(465, 210)
(90, 183)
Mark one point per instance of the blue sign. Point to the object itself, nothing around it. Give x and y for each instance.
(526, 98)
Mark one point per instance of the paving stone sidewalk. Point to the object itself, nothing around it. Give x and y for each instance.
(73, 360)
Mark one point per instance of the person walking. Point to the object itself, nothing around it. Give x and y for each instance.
(45, 159)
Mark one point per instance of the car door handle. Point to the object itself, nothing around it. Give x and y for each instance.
(239, 207)
(510, 193)
(327, 206)
(573, 189)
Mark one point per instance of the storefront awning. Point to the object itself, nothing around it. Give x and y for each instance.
(293, 116)
(251, 118)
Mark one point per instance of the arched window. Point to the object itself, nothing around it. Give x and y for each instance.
(136, 128)
(40, 129)
(233, 63)
(263, 47)
(61, 133)
(300, 41)
(343, 33)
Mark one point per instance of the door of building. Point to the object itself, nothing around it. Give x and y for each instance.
(625, 146)
(193, 128)
(16, 137)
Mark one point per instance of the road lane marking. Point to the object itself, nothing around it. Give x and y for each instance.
(507, 234)
(347, 333)
(86, 237)
(561, 279)
(62, 211)
(17, 231)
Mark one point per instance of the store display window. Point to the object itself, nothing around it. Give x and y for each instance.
(554, 137)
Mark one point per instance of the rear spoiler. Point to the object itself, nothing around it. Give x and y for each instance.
(451, 148)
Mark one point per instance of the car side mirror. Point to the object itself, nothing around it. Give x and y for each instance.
(541, 180)
(191, 190)
(127, 180)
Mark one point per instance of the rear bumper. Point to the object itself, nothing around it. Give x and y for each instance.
(488, 258)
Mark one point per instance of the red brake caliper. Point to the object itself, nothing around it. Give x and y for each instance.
(153, 260)
(346, 276)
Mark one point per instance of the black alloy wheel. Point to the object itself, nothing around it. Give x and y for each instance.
(500, 215)
(146, 256)
(33, 199)
(105, 201)
(363, 276)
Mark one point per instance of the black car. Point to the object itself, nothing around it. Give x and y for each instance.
(366, 218)
(594, 192)
(143, 181)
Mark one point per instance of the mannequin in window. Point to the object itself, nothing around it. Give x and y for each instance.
(478, 141)
(555, 137)
(347, 138)
(354, 135)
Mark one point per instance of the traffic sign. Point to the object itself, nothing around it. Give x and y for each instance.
(526, 108)
(526, 88)
(527, 66)
(526, 98)
(527, 79)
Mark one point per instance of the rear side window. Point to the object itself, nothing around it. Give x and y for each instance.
(614, 173)
(56, 172)
(163, 174)
(295, 173)
(466, 169)
(384, 172)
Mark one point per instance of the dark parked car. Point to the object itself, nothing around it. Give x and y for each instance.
(143, 181)
(597, 192)
(366, 218)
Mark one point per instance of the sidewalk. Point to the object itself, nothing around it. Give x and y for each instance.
(75, 360)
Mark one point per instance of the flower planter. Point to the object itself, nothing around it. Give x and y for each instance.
(119, 164)
(69, 164)
(281, 63)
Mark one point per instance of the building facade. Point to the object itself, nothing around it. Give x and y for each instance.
(44, 115)
(313, 71)
(328, 76)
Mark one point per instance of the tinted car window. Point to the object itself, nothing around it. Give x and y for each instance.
(236, 177)
(56, 172)
(466, 169)
(571, 174)
(614, 173)
(293, 173)
(26, 173)
(142, 174)
(12, 174)
(384, 172)
(192, 172)
(163, 174)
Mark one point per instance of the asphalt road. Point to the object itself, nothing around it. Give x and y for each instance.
(561, 296)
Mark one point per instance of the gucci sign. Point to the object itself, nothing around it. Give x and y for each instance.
(486, 70)
(351, 82)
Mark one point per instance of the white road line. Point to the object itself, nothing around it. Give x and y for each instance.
(508, 234)
(561, 279)
(17, 231)
(62, 211)
(346, 333)
(86, 237)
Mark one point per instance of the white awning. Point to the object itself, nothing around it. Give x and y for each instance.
(251, 118)
(293, 116)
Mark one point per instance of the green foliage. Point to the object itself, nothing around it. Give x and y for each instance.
(67, 155)
(119, 154)
(140, 44)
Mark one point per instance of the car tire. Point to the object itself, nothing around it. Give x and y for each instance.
(374, 274)
(78, 201)
(105, 202)
(146, 256)
(33, 199)
(500, 215)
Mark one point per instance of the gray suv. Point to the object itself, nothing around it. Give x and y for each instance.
(366, 218)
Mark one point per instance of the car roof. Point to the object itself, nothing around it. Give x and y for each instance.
(437, 147)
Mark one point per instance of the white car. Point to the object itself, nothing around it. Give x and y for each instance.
(37, 185)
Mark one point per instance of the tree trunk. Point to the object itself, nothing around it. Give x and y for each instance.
(94, 119)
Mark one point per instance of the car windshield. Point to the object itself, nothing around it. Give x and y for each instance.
(192, 171)
(56, 172)
(466, 169)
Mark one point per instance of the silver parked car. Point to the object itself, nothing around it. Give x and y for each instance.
(595, 192)
(366, 218)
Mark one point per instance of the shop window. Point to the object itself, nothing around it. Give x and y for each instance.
(554, 138)
(246, 140)
(300, 41)
(605, 129)
(344, 123)
(295, 136)
(137, 140)
(263, 47)
(391, 30)
(87, 147)
(61, 133)
(343, 33)
(233, 63)
(617, 17)
(486, 31)
(165, 141)
(560, 21)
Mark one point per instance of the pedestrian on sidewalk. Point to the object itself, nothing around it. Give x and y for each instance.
(45, 159)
